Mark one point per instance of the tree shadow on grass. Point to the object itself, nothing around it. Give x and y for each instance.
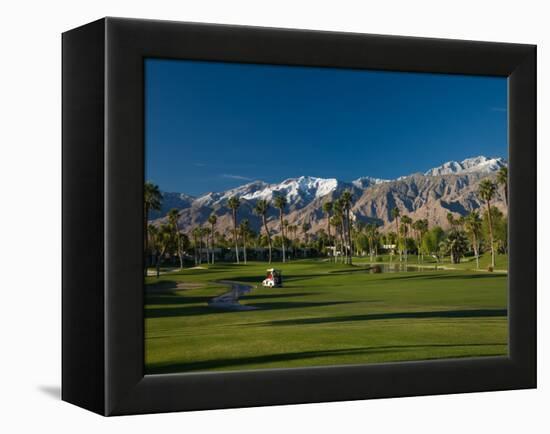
(169, 299)
(281, 295)
(201, 365)
(473, 313)
(173, 298)
(205, 310)
(161, 286)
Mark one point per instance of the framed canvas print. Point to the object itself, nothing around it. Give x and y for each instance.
(257, 216)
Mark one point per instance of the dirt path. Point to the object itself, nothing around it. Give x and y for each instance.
(230, 300)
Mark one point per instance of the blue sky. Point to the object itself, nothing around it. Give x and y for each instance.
(211, 126)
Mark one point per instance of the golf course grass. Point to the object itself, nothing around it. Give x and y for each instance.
(326, 314)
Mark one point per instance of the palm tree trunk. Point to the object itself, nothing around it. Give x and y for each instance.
(180, 254)
(417, 250)
(340, 230)
(244, 247)
(212, 243)
(282, 234)
(397, 236)
(294, 241)
(200, 249)
(158, 264)
(351, 241)
(405, 246)
(329, 240)
(345, 243)
(491, 234)
(235, 234)
(371, 249)
(476, 250)
(268, 236)
(350, 250)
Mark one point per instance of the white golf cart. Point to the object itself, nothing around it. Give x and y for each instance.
(273, 279)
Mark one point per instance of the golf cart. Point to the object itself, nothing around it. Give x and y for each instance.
(273, 279)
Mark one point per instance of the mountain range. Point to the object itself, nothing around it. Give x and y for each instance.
(451, 187)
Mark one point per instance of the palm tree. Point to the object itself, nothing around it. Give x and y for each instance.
(451, 220)
(472, 224)
(455, 245)
(280, 203)
(338, 217)
(336, 221)
(420, 227)
(406, 221)
(370, 232)
(173, 216)
(292, 236)
(212, 219)
(233, 203)
(327, 209)
(286, 226)
(376, 239)
(262, 206)
(487, 191)
(201, 236)
(244, 229)
(502, 179)
(196, 236)
(395, 213)
(162, 240)
(305, 228)
(152, 198)
(391, 238)
(208, 235)
(356, 229)
(151, 235)
(347, 199)
(416, 227)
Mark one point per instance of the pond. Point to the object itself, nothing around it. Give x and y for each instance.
(395, 267)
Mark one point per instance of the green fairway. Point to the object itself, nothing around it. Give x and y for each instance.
(326, 314)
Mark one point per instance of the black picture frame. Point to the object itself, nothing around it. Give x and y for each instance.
(103, 174)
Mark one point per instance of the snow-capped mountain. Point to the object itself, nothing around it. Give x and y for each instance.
(451, 187)
(469, 165)
(368, 181)
(296, 190)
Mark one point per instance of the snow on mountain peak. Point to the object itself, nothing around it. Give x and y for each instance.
(293, 188)
(306, 187)
(480, 164)
(367, 181)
